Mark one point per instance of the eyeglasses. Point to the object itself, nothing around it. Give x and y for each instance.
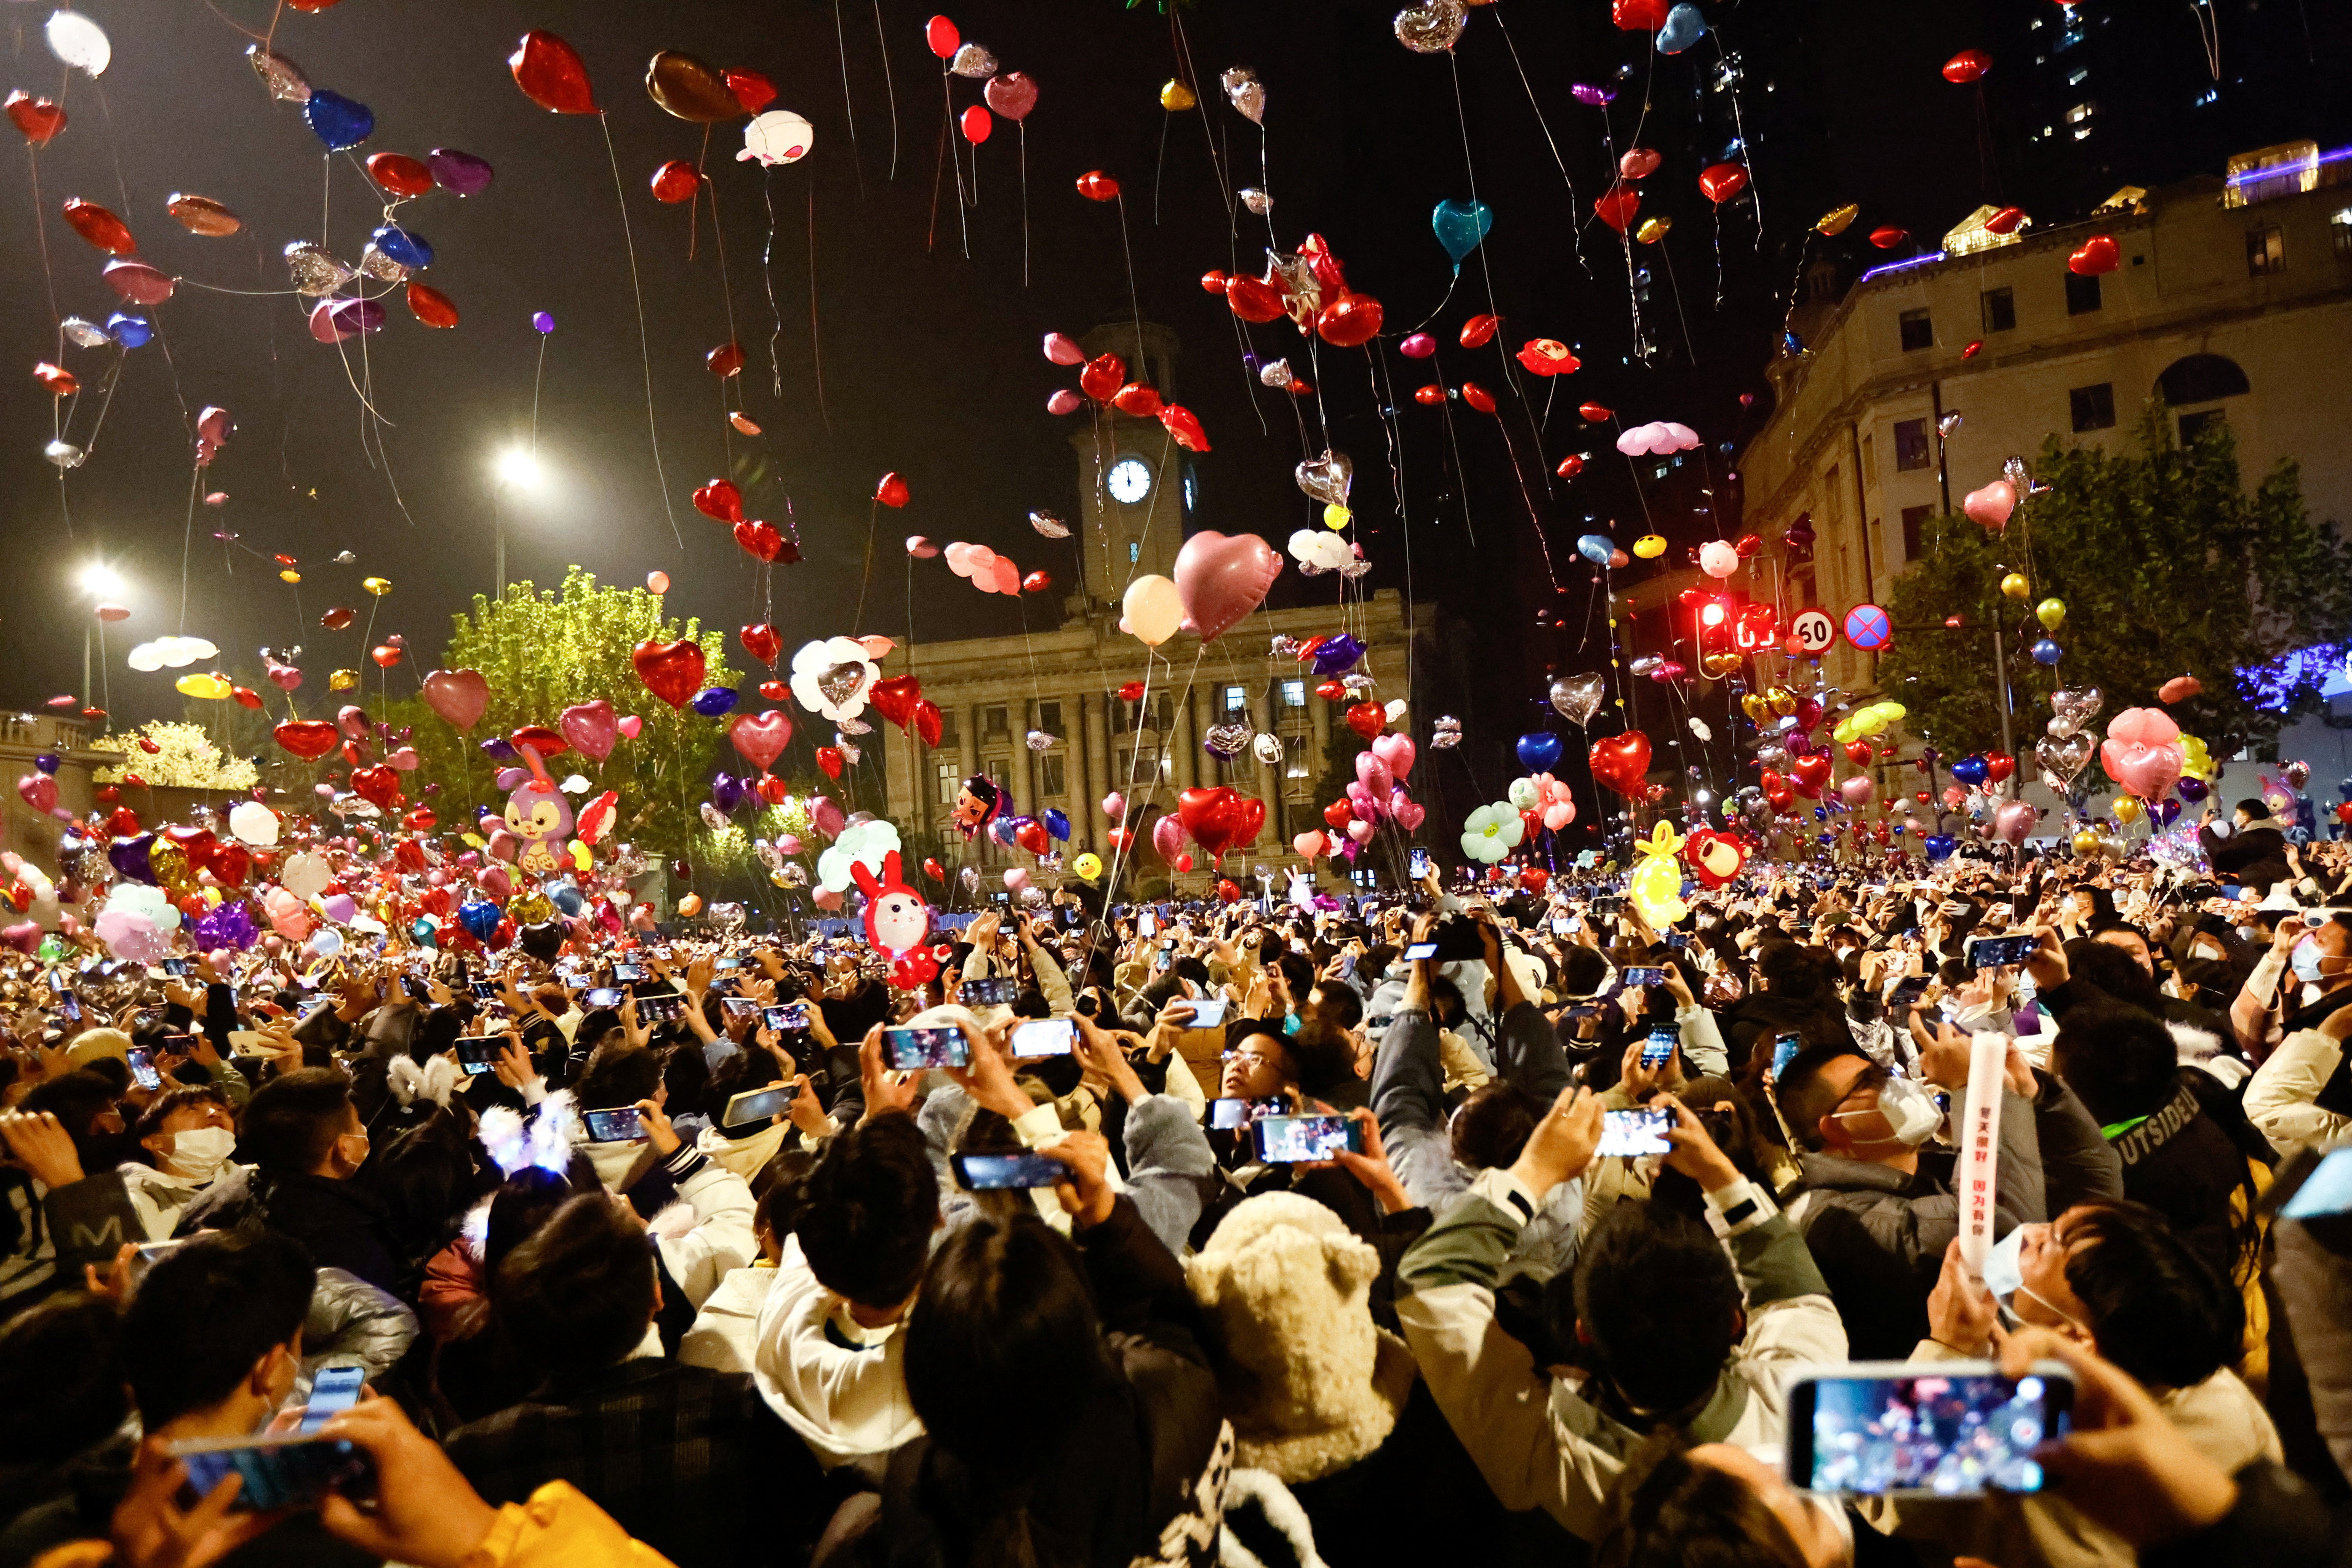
(1255, 1056)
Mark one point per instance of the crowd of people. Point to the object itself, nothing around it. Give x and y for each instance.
(1241, 1232)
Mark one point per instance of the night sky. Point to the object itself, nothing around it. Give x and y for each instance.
(931, 362)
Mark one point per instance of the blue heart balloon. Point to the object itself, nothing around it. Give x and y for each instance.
(1685, 27)
(479, 917)
(1460, 226)
(1970, 771)
(564, 896)
(1940, 845)
(337, 120)
(131, 332)
(1597, 548)
(711, 701)
(1057, 824)
(410, 250)
(1538, 750)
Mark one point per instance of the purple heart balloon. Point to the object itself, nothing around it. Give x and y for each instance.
(357, 316)
(129, 856)
(1338, 655)
(499, 748)
(727, 793)
(46, 761)
(461, 172)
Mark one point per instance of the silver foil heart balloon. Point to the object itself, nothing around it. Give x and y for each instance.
(1244, 93)
(1578, 697)
(1431, 29)
(1047, 524)
(315, 273)
(281, 75)
(1268, 748)
(1327, 477)
(974, 61)
(1225, 742)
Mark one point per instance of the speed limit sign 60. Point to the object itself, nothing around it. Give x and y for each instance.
(1812, 631)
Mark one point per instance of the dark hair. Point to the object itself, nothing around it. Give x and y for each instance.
(524, 1202)
(2160, 1310)
(1804, 1096)
(110, 1070)
(1789, 970)
(783, 1187)
(207, 1313)
(621, 1075)
(1004, 1308)
(75, 1099)
(1321, 1055)
(1583, 970)
(870, 1206)
(62, 1383)
(2120, 1060)
(1342, 1005)
(292, 1122)
(686, 1074)
(178, 1097)
(1657, 1295)
(576, 1294)
(1493, 1125)
(2106, 967)
(2254, 808)
(1669, 1511)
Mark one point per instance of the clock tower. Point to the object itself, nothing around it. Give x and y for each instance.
(1135, 487)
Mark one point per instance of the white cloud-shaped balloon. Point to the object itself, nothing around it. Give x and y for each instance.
(864, 842)
(254, 824)
(1321, 550)
(779, 136)
(832, 676)
(1658, 439)
(171, 653)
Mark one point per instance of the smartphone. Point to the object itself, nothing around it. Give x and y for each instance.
(724, 964)
(737, 1006)
(1417, 864)
(1893, 1429)
(175, 967)
(758, 1105)
(1785, 1046)
(1632, 1133)
(1044, 1037)
(1287, 1139)
(627, 974)
(911, 1048)
(478, 1054)
(1637, 975)
(622, 1124)
(1583, 1010)
(2232, 891)
(414, 986)
(1659, 1048)
(1608, 904)
(334, 1390)
(1678, 940)
(280, 1472)
(1563, 925)
(601, 997)
(990, 991)
(1415, 951)
(180, 1045)
(2317, 1184)
(142, 1067)
(1229, 1115)
(1906, 994)
(990, 1172)
(1988, 951)
(787, 1017)
(1208, 1012)
(483, 990)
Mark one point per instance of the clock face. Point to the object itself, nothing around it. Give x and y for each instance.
(1130, 481)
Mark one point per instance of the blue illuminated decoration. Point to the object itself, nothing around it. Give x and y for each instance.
(1901, 266)
(2300, 675)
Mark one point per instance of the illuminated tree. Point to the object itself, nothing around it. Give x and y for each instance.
(185, 758)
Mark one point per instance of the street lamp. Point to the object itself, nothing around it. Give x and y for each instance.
(516, 469)
(102, 582)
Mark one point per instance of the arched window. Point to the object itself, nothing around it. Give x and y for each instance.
(2201, 378)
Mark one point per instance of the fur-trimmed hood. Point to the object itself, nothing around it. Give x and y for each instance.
(1312, 1385)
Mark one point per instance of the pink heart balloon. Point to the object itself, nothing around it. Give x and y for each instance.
(1373, 773)
(1369, 808)
(1063, 401)
(1222, 577)
(762, 738)
(1396, 750)
(24, 937)
(1168, 837)
(497, 881)
(459, 696)
(39, 790)
(825, 817)
(630, 727)
(1858, 791)
(824, 899)
(1014, 95)
(1114, 806)
(1640, 163)
(1408, 813)
(1360, 831)
(1992, 505)
(592, 727)
(1309, 845)
(404, 759)
(2014, 820)
(1006, 577)
(1064, 350)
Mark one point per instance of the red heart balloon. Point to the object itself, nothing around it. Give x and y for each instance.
(829, 759)
(752, 90)
(761, 641)
(230, 864)
(400, 175)
(1808, 774)
(1349, 322)
(2098, 254)
(378, 786)
(671, 670)
(1211, 815)
(774, 690)
(1858, 753)
(761, 539)
(892, 490)
(1998, 766)
(1131, 691)
(309, 739)
(1032, 835)
(926, 722)
(110, 233)
(725, 361)
(1097, 186)
(1339, 813)
(1254, 299)
(1616, 206)
(1638, 16)
(37, 117)
(895, 698)
(1367, 719)
(1622, 762)
(1721, 182)
(551, 74)
(934, 871)
(1479, 331)
(1102, 378)
(720, 500)
(1136, 399)
(762, 738)
(547, 742)
(772, 789)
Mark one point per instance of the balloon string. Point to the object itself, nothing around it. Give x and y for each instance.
(1740, 128)
(947, 144)
(113, 380)
(1022, 126)
(1460, 475)
(817, 349)
(1160, 168)
(848, 108)
(768, 273)
(41, 229)
(873, 520)
(645, 345)
(1134, 298)
(188, 543)
(1376, 369)
(1576, 231)
(883, 38)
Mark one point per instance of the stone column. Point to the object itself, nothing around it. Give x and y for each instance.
(1184, 744)
(1097, 770)
(1017, 785)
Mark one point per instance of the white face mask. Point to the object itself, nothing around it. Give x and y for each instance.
(199, 1153)
(1910, 1111)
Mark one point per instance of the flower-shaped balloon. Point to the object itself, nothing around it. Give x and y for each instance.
(1319, 549)
(1656, 887)
(146, 900)
(1491, 832)
(1553, 800)
(132, 936)
(832, 677)
(863, 844)
(2143, 752)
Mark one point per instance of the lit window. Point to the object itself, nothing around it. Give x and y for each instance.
(2078, 79)
(1659, 472)
(1911, 446)
(1294, 694)
(2210, 95)
(2265, 251)
(1235, 700)
(1918, 331)
(950, 782)
(2339, 230)
(2082, 134)
(2080, 112)
(1134, 552)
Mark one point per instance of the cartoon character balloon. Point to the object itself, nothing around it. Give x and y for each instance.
(1715, 858)
(897, 917)
(537, 814)
(1656, 887)
(977, 803)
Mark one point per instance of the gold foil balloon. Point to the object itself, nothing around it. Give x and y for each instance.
(1653, 229)
(379, 586)
(1176, 98)
(1835, 222)
(530, 909)
(2015, 586)
(2050, 613)
(169, 864)
(2127, 808)
(344, 680)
